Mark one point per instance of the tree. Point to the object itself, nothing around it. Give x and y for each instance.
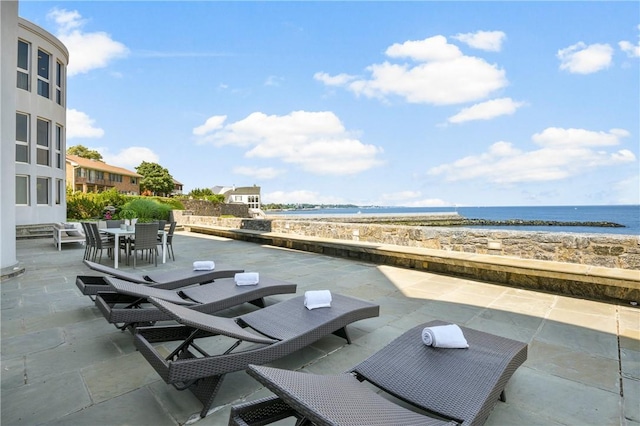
(155, 178)
(84, 152)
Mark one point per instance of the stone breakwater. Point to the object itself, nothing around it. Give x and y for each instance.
(607, 250)
(442, 219)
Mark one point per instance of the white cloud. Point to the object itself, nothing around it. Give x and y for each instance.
(442, 76)
(213, 123)
(401, 195)
(300, 197)
(563, 153)
(129, 158)
(555, 136)
(410, 199)
(632, 50)
(80, 125)
(484, 40)
(87, 51)
(273, 80)
(263, 173)
(428, 202)
(336, 80)
(317, 142)
(486, 110)
(582, 59)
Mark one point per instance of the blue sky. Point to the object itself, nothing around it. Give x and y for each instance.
(369, 103)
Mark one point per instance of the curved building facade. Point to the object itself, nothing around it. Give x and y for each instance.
(34, 95)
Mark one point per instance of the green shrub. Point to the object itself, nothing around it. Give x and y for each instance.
(82, 206)
(148, 209)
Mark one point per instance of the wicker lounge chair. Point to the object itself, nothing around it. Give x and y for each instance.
(457, 385)
(91, 285)
(260, 336)
(127, 305)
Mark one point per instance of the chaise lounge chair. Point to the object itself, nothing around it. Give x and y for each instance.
(459, 386)
(126, 305)
(260, 336)
(91, 285)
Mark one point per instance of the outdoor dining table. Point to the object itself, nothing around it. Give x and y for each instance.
(117, 232)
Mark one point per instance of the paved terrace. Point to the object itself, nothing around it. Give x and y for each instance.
(62, 363)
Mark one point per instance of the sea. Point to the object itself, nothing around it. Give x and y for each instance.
(626, 215)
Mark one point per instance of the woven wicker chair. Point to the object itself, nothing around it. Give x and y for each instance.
(260, 337)
(172, 279)
(144, 239)
(460, 386)
(127, 306)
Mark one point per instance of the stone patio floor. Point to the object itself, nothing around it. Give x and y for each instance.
(62, 363)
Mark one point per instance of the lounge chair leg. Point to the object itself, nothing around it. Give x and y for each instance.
(503, 396)
(206, 390)
(342, 332)
(258, 302)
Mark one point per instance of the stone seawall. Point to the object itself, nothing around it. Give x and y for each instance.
(607, 250)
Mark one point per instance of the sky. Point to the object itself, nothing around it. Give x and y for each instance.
(417, 104)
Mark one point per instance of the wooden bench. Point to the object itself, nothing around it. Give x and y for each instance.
(60, 235)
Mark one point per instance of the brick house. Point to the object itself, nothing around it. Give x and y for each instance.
(88, 175)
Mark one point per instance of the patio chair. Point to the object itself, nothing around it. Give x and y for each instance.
(128, 307)
(98, 242)
(144, 239)
(459, 386)
(172, 279)
(258, 337)
(89, 245)
(172, 228)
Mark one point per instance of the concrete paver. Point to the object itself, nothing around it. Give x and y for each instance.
(62, 363)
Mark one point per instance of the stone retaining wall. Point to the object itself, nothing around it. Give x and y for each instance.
(607, 250)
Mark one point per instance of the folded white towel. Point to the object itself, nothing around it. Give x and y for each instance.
(444, 336)
(247, 278)
(317, 299)
(203, 265)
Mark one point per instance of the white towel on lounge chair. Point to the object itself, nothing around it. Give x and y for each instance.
(317, 299)
(444, 336)
(204, 265)
(247, 278)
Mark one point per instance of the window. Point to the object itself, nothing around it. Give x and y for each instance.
(42, 190)
(59, 190)
(42, 140)
(22, 137)
(113, 177)
(59, 160)
(99, 175)
(44, 62)
(59, 80)
(134, 180)
(23, 65)
(22, 190)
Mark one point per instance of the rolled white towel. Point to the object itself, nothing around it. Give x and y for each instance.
(444, 336)
(247, 278)
(203, 265)
(317, 299)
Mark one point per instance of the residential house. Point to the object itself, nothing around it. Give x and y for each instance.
(243, 194)
(177, 188)
(87, 175)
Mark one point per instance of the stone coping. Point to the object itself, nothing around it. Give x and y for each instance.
(584, 281)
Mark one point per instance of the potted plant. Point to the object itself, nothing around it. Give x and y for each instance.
(128, 215)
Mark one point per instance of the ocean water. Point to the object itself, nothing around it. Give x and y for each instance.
(627, 215)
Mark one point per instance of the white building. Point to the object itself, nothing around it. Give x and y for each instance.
(249, 195)
(33, 127)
